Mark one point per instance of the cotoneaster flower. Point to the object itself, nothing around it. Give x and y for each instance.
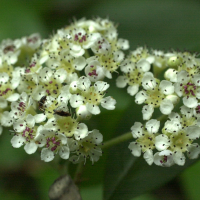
(188, 87)
(145, 139)
(91, 96)
(86, 148)
(156, 94)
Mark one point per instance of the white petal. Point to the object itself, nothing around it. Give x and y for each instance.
(101, 86)
(143, 64)
(47, 155)
(121, 81)
(79, 63)
(153, 126)
(60, 75)
(162, 142)
(182, 77)
(108, 103)
(135, 149)
(83, 83)
(178, 89)
(148, 156)
(133, 89)
(30, 147)
(140, 97)
(3, 102)
(13, 97)
(107, 73)
(83, 113)
(179, 158)
(193, 132)
(166, 87)
(123, 44)
(173, 98)
(64, 152)
(166, 107)
(94, 109)
(190, 102)
(196, 79)
(17, 141)
(19, 125)
(76, 100)
(193, 151)
(148, 81)
(137, 129)
(40, 118)
(30, 120)
(171, 75)
(81, 131)
(97, 137)
(147, 112)
(7, 119)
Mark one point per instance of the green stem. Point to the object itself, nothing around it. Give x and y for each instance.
(117, 140)
(78, 172)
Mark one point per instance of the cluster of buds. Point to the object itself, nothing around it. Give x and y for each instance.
(177, 95)
(50, 86)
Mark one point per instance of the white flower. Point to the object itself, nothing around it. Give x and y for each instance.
(25, 133)
(101, 47)
(133, 74)
(87, 147)
(145, 139)
(50, 83)
(94, 71)
(92, 96)
(65, 61)
(53, 143)
(24, 106)
(188, 87)
(123, 44)
(164, 158)
(156, 95)
(10, 50)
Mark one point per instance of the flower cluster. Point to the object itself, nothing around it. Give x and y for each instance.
(49, 86)
(166, 145)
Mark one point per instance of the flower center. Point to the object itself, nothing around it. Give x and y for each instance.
(179, 141)
(147, 141)
(29, 134)
(189, 89)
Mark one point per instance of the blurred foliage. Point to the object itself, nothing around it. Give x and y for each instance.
(158, 24)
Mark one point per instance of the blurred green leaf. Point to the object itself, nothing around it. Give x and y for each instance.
(191, 181)
(92, 192)
(159, 24)
(18, 19)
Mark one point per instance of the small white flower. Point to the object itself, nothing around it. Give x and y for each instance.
(53, 143)
(164, 158)
(145, 139)
(87, 147)
(25, 133)
(188, 87)
(156, 95)
(91, 96)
